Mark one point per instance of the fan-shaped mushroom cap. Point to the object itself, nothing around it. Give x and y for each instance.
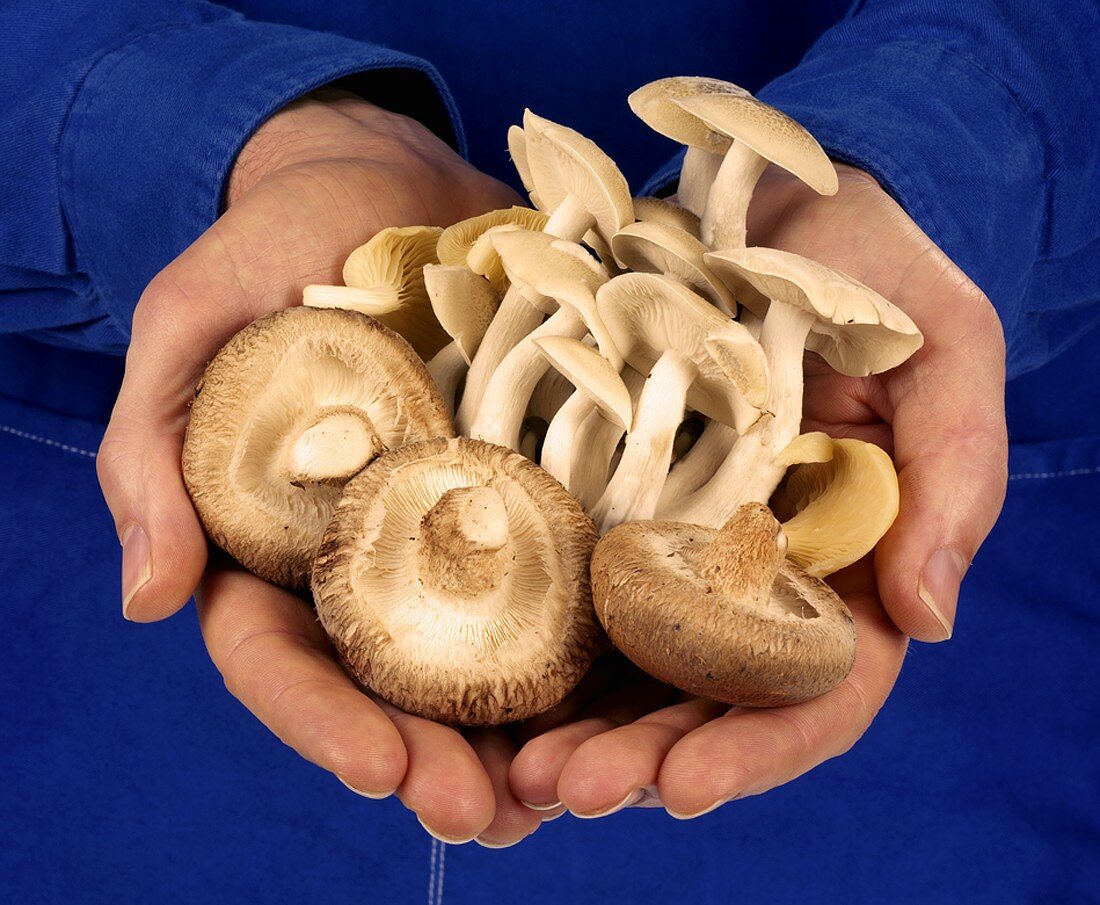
(768, 131)
(288, 409)
(463, 303)
(656, 104)
(843, 505)
(856, 330)
(565, 164)
(453, 580)
(456, 243)
(651, 247)
(647, 314)
(517, 150)
(721, 613)
(390, 268)
(657, 210)
(592, 374)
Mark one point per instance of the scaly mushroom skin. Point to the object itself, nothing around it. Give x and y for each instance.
(292, 406)
(722, 614)
(453, 581)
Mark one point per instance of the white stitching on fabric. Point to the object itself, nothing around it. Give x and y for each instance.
(442, 864)
(1070, 473)
(431, 874)
(23, 435)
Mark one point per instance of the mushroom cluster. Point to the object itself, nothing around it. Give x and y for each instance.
(637, 351)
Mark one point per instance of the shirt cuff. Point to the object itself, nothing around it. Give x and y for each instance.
(154, 131)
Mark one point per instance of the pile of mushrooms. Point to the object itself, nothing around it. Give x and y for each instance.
(613, 366)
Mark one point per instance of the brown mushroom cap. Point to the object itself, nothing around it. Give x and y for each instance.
(453, 580)
(273, 422)
(721, 613)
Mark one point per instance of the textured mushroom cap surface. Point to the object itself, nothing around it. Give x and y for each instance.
(648, 209)
(456, 241)
(648, 314)
(463, 303)
(552, 267)
(675, 624)
(505, 654)
(655, 105)
(266, 386)
(768, 131)
(856, 330)
(563, 163)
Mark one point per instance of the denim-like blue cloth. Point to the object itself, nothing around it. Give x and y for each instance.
(130, 775)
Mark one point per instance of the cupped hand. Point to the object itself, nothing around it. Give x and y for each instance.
(941, 416)
(317, 180)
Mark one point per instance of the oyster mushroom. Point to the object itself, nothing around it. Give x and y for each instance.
(657, 210)
(463, 303)
(453, 581)
(288, 410)
(722, 614)
(457, 243)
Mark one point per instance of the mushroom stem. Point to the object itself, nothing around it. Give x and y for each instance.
(723, 222)
(499, 417)
(570, 220)
(746, 554)
(337, 444)
(461, 537)
(696, 177)
(636, 485)
(698, 464)
(447, 368)
(751, 472)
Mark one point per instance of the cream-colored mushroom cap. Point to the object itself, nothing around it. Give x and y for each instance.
(453, 581)
(552, 267)
(657, 210)
(721, 613)
(651, 247)
(648, 314)
(517, 150)
(457, 243)
(390, 267)
(856, 330)
(288, 410)
(843, 506)
(463, 303)
(768, 131)
(656, 105)
(592, 374)
(564, 163)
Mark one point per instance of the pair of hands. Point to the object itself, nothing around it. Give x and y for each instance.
(316, 181)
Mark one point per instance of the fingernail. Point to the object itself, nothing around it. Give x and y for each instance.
(651, 798)
(634, 797)
(706, 810)
(938, 587)
(485, 843)
(137, 565)
(449, 840)
(541, 807)
(376, 796)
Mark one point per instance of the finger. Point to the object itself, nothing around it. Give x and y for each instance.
(537, 768)
(951, 449)
(615, 769)
(512, 821)
(750, 751)
(275, 660)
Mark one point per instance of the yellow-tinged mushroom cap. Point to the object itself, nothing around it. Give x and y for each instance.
(456, 243)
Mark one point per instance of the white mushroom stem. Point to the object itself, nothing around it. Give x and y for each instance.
(499, 417)
(570, 220)
(334, 446)
(461, 537)
(447, 368)
(557, 446)
(696, 177)
(751, 472)
(724, 218)
(698, 465)
(636, 485)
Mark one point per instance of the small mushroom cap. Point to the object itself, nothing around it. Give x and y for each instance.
(269, 404)
(463, 303)
(517, 150)
(458, 241)
(563, 163)
(552, 267)
(417, 637)
(651, 247)
(843, 506)
(390, 267)
(856, 330)
(663, 607)
(592, 374)
(768, 131)
(657, 210)
(647, 314)
(655, 105)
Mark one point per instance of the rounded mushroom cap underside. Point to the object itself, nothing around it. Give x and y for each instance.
(655, 105)
(278, 395)
(489, 633)
(661, 611)
(648, 209)
(457, 241)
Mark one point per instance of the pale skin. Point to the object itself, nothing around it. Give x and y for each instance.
(316, 181)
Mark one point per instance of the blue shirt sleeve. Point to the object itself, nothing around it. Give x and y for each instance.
(123, 120)
(981, 118)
